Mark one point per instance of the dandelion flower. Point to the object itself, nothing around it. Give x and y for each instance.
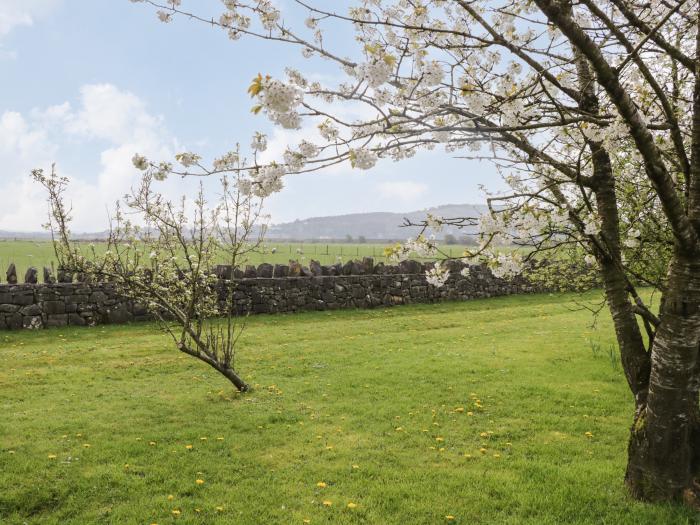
(352, 505)
(188, 447)
(176, 512)
(356, 466)
(327, 503)
(52, 456)
(321, 485)
(449, 517)
(219, 509)
(170, 497)
(199, 481)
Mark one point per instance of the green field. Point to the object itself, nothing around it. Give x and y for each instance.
(40, 253)
(471, 413)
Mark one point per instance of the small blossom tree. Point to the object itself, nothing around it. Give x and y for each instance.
(591, 110)
(162, 254)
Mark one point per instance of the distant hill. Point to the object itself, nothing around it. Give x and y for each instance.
(381, 226)
(378, 225)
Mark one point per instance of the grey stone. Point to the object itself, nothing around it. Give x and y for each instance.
(265, 270)
(48, 276)
(315, 268)
(11, 274)
(54, 307)
(31, 276)
(281, 270)
(57, 320)
(64, 276)
(32, 309)
(294, 269)
(8, 308)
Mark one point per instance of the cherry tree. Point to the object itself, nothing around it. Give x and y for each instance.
(590, 110)
(162, 253)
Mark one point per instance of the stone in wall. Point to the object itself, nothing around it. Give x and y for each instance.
(266, 289)
(11, 274)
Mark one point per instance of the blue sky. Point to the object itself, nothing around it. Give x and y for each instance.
(87, 83)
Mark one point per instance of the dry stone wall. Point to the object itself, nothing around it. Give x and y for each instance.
(265, 289)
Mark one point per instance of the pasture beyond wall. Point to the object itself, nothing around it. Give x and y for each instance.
(265, 289)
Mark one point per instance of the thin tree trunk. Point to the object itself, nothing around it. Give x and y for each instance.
(220, 367)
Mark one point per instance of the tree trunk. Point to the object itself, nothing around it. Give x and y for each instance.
(664, 446)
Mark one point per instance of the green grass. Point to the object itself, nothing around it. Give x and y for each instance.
(40, 253)
(380, 389)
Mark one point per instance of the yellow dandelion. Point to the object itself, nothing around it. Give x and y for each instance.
(356, 467)
(589, 434)
(321, 485)
(188, 447)
(352, 505)
(329, 447)
(459, 410)
(176, 512)
(198, 510)
(52, 456)
(449, 517)
(470, 413)
(199, 481)
(152, 443)
(496, 455)
(399, 429)
(86, 445)
(306, 520)
(10, 451)
(170, 497)
(467, 456)
(327, 503)
(482, 450)
(439, 439)
(220, 438)
(203, 438)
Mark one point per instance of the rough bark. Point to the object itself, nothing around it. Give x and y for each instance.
(664, 446)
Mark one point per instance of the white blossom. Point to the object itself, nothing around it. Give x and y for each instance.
(140, 162)
(362, 159)
(437, 275)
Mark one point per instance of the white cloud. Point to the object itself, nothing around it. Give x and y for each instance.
(16, 13)
(405, 191)
(107, 128)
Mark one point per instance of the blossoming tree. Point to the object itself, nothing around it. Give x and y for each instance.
(591, 110)
(163, 254)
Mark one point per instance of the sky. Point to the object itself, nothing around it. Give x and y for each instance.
(85, 84)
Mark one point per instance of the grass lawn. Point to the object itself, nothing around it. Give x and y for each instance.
(470, 413)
